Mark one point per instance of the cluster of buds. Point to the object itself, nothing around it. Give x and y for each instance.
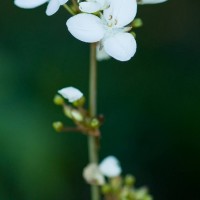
(113, 185)
(123, 188)
(74, 110)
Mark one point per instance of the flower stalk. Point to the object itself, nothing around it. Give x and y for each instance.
(92, 140)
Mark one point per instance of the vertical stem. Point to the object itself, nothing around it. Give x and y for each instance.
(92, 141)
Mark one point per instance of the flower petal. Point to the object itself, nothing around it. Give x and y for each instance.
(150, 1)
(93, 175)
(52, 7)
(121, 46)
(101, 54)
(121, 12)
(62, 1)
(29, 3)
(89, 7)
(71, 93)
(110, 167)
(86, 27)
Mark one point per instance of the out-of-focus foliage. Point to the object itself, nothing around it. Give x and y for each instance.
(151, 104)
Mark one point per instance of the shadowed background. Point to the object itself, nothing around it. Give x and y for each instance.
(151, 104)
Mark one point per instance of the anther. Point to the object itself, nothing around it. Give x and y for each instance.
(110, 17)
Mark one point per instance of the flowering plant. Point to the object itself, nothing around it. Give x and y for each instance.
(108, 25)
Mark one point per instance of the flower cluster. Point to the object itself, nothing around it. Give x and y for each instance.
(75, 111)
(106, 22)
(113, 185)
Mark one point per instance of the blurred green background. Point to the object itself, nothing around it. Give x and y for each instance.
(151, 104)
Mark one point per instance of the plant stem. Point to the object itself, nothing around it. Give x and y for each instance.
(68, 9)
(92, 140)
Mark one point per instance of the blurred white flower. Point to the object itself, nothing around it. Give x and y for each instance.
(91, 6)
(110, 167)
(110, 29)
(70, 93)
(150, 1)
(52, 8)
(93, 175)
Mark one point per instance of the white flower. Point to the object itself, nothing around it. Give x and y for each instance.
(91, 6)
(93, 175)
(53, 5)
(110, 30)
(150, 1)
(71, 93)
(110, 167)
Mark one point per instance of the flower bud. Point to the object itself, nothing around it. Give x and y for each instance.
(80, 102)
(58, 100)
(67, 111)
(58, 126)
(76, 115)
(133, 33)
(71, 94)
(94, 123)
(129, 180)
(106, 188)
(137, 23)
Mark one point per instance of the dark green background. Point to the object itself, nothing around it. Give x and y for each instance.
(151, 104)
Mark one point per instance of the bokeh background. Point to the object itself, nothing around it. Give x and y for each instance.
(151, 104)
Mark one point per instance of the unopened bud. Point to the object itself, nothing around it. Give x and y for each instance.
(80, 102)
(137, 23)
(94, 123)
(58, 100)
(76, 115)
(133, 33)
(67, 111)
(106, 188)
(58, 126)
(129, 180)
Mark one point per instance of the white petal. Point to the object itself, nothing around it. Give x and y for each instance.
(121, 46)
(93, 175)
(101, 54)
(150, 1)
(71, 93)
(62, 1)
(121, 12)
(29, 3)
(89, 7)
(86, 27)
(52, 7)
(110, 167)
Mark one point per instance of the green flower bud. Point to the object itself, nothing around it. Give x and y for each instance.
(105, 189)
(80, 102)
(58, 100)
(77, 116)
(137, 23)
(67, 111)
(133, 33)
(129, 180)
(58, 126)
(94, 123)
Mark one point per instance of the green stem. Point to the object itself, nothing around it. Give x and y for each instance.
(92, 141)
(69, 9)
